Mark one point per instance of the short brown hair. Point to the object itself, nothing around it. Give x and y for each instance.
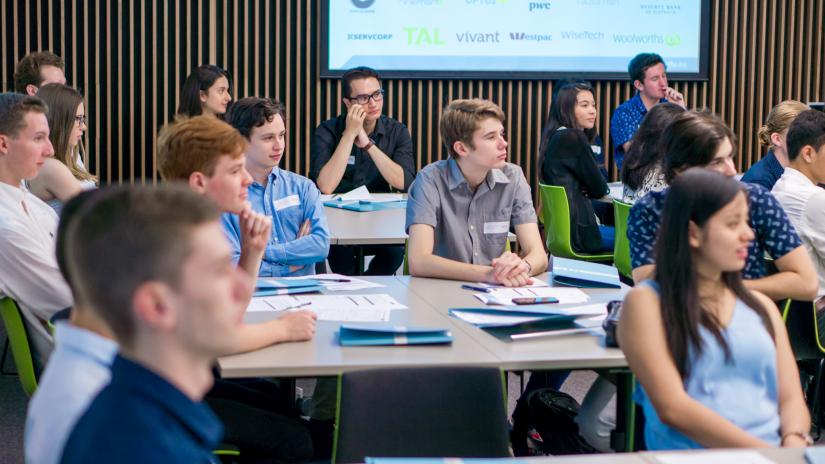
(188, 145)
(27, 71)
(150, 228)
(460, 119)
(13, 110)
(361, 72)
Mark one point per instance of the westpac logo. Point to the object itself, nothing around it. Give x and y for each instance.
(523, 36)
(424, 36)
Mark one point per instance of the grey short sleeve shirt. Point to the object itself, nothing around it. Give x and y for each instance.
(470, 227)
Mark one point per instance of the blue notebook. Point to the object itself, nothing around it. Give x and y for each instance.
(363, 206)
(385, 334)
(269, 287)
(506, 315)
(575, 273)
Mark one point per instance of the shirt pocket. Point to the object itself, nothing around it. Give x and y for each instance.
(495, 228)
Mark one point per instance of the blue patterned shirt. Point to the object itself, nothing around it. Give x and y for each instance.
(624, 123)
(773, 230)
(289, 199)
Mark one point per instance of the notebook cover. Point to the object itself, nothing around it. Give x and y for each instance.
(389, 335)
(575, 273)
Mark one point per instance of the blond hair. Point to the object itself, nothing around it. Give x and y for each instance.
(780, 118)
(460, 119)
(188, 145)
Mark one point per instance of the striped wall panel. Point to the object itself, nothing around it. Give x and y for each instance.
(130, 58)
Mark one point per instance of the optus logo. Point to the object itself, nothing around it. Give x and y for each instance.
(362, 3)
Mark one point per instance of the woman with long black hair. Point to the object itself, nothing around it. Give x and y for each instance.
(712, 357)
(206, 90)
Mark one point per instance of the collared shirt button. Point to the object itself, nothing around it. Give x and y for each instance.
(471, 227)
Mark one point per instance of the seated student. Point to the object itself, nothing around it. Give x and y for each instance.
(797, 189)
(78, 368)
(209, 154)
(460, 209)
(362, 147)
(773, 135)
(205, 91)
(65, 175)
(642, 167)
(648, 74)
(567, 161)
(28, 270)
(697, 139)
(712, 357)
(37, 69)
(173, 310)
(300, 236)
(703, 140)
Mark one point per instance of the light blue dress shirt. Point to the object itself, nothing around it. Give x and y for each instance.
(77, 371)
(289, 199)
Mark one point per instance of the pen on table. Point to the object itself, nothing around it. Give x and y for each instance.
(325, 279)
(299, 305)
(478, 289)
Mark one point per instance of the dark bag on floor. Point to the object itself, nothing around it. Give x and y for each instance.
(548, 416)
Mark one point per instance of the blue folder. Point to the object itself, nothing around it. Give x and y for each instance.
(542, 316)
(363, 206)
(575, 273)
(386, 334)
(270, 287)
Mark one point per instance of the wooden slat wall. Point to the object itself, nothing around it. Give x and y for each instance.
(130, 58)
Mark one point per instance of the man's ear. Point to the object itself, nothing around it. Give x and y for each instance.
(807, 154)
(4, 144)
(197, 182)
(460, 148)
(153, 306)
(31, 89)
(694, 235)
(638, 85)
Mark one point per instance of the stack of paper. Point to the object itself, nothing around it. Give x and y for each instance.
(339, 282)
(577, 273)
(504, 296)
(353, 308)
(361, 200)
(269, 286)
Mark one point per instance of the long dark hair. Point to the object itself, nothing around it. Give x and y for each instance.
(562, 113)
(695, 196)
(63, 102)
(692, 139)
(199, 80)
(645, 154)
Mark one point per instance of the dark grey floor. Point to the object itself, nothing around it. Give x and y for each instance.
(12, 412)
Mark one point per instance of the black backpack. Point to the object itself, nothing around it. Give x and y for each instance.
(551, 415)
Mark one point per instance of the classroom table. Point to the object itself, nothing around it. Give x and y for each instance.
(323, 356)
(776, 455)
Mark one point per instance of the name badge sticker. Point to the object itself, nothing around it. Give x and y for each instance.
(351, 160)
(496, 227)
(287, 202)
(597, 149)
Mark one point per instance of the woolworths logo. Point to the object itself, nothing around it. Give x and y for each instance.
(673, 40)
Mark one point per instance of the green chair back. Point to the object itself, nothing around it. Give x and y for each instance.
(621, 247)
(19, 342)
(556, 212)
(405, 270)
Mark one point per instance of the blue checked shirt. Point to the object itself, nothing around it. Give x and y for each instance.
(773, 231)
(289, 199)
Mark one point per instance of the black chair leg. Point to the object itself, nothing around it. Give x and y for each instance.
(3, 360)
(816, 400)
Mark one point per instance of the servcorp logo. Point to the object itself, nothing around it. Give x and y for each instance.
(371, 37)
(525, 37)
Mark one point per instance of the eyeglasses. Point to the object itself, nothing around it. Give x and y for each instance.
(378, 95)
(80, 120)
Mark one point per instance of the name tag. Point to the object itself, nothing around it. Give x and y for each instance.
(596, 149)
(287, 202)
(496, 227)
(351, 160)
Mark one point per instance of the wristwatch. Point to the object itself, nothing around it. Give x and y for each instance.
(369, 145)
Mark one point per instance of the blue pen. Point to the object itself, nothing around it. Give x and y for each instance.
(478, 289)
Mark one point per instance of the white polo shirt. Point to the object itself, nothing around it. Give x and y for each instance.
(804, 202)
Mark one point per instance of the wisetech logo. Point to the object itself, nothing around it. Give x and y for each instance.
(524, 36)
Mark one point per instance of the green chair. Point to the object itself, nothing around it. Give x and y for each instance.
(621, 247)
(556, 212)
(406, 266)
(19, 342)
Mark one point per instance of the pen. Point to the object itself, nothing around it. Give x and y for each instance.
(299, 305)
(325, 279)
(478, 289)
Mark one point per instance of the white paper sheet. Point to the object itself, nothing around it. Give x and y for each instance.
(504, 296)
(498, 319)
(362, 194)
(349, 308)
(716, 457)
(353, 284)
(536, 283)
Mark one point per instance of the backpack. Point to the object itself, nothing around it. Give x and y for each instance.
(545, 418)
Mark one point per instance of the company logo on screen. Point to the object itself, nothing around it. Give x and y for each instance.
(369, 37)
(362, 3)
(423, 37)
(582, 35)
(525, 37)
(487, 2)
(597, 2)
(661, 8)
(478, 37)
(538, 6)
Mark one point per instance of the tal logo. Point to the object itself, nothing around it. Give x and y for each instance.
(423, 36)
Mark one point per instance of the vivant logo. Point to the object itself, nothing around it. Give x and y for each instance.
(362, 3)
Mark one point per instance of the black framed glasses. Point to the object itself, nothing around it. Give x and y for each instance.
(378, 95)
(80, 120)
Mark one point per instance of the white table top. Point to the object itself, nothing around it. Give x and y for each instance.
(777, 455)
(323, 355)
(575, 351)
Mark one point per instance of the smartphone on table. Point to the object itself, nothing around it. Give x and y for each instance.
(535, 300)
